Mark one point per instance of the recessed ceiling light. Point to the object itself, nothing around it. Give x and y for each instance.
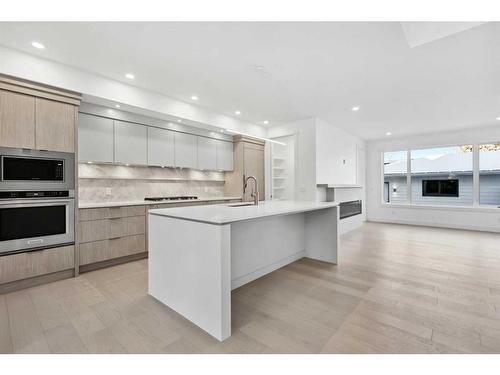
(89, 162)
(194, 97)
(355, 108)
(37, 45)
(179, 120)
(130, 76)
(237, 112)
(222, 130)
(127, 165)
(388, 133)
(498, 118)
(266, 122)
(117, 105)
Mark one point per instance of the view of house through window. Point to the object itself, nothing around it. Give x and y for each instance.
(489, 174)
(442, 176)
(395, 167)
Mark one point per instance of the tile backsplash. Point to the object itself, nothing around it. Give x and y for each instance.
(116, 183)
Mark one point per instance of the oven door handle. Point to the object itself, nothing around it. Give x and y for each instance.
(35, 202)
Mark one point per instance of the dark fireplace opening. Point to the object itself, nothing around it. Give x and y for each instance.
(351, 208)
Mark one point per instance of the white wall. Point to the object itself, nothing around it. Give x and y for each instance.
(487, 219)
(99, 90)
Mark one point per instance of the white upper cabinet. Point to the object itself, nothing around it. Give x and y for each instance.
(207, 153)
(95, 138)
(131, 143)
(224, 155)
(160, 147)
(186, 146)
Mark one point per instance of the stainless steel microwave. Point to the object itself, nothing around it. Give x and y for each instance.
(23, 169)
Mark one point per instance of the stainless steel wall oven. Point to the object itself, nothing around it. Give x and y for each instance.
(37, 205)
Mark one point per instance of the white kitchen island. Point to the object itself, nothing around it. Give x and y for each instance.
(197, 255)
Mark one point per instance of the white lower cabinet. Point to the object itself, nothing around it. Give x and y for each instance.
(131, 143)
(186, 155)
(161, 150)
(207, 153)
(224, 155)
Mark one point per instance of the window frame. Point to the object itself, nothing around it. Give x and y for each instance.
(475, 178)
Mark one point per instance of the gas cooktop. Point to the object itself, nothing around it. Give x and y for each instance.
(174, 198)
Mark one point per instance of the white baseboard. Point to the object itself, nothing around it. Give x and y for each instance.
(479, 228)
(242, 280)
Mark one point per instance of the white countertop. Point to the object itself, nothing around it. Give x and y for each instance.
(147, 203)
(224, 214)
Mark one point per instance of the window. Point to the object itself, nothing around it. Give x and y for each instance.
(395, 168)
(440, 188)
(489, 174)
(442, 176)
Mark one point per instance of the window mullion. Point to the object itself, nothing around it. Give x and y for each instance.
(408, 175)
(475, 175)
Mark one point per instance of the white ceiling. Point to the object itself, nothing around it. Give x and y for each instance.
(310, 69)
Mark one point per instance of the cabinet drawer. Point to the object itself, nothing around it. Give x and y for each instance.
(87, 214)
(97, 230)
(99, 251)
(35, 263)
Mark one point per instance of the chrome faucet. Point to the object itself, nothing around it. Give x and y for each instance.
(255, 192)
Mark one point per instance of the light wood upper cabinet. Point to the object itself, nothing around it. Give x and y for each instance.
(17, 120)
(54, 125)
(207, 153)
(253, 156)
(185, 150)
(248, 161)
(95, 138)
(131, 143)
(224, 155)
(160, 147)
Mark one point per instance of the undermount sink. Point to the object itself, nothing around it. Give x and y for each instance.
(241, 204)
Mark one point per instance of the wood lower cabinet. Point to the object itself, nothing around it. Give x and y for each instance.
(36, 263)
(111, 233)
(17, 120)
(99, 251)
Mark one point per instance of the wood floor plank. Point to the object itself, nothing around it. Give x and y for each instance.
(5, 339)
(398, 289)
(26, 330)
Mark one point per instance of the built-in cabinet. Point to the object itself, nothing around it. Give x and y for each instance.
(248, 161)
(131, 143)
(186, 150)
(224, 155)
(28, 121)
(107, 140)
(112, 235)
(161, 150)
(95, 138)
(54, 125)
(207, 153)
(37, 117)
(17, 120)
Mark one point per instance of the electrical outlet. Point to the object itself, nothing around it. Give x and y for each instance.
(108, 191)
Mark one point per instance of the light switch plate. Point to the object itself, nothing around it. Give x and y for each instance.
(108, 191)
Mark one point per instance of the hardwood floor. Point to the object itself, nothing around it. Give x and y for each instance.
(398, 289)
